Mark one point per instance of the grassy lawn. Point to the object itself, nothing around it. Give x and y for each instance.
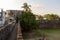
(51, 34)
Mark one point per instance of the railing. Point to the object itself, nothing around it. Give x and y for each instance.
(6, 30)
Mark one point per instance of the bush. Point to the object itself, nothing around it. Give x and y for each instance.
(28, 21)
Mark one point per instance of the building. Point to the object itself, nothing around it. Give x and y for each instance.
(2, 17)
(13, 13)
(9, 14)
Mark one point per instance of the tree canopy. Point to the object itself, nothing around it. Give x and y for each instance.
(27, 19)
(26, 7)
(51, 16)
(40, 17)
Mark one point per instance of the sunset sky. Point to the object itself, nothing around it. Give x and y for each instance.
(38, 6)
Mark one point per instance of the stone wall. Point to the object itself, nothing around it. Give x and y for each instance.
(6, 30)
(49, 24)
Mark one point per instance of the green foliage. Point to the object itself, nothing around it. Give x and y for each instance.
(28, 21)
(40, 17)
(26, 7)
(51, 16)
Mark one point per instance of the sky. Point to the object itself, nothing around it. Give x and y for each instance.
(39, 7)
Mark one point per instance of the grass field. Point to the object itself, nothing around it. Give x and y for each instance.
(51, 34)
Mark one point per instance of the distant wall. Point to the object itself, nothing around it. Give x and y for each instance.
(49, 24)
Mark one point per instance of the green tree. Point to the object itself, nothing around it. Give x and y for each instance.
(28, 21)
(40, 17)
(51, 16)
(26, 7)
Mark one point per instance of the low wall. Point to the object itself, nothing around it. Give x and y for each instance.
(49, 24)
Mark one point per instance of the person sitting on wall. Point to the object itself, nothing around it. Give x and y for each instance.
(16, 19)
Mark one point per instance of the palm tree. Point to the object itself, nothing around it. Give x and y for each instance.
(26, 7)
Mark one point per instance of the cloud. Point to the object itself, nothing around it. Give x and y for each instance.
(37, 8)
(41, 9)
(8, 4)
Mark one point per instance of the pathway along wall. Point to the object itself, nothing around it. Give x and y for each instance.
(19, 33)
(6, 30)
